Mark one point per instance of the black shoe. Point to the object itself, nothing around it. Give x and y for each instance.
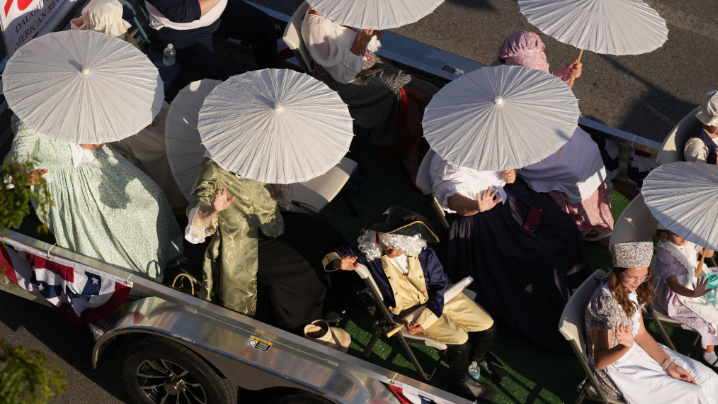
(362, 303)
(472, 389)
(333, 317)
(492, 369)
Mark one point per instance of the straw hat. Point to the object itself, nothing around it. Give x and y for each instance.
(708, 112)
(333, 337)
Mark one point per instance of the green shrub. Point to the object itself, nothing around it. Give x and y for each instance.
(15, 199)
(26, 376)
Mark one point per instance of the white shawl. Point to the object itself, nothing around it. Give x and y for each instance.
(577, 169)
(688, 257)
(329, 44)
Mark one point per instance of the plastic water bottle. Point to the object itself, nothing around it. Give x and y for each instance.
(169, 55)
(474, 370)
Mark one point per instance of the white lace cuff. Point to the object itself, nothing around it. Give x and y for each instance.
(196, 231)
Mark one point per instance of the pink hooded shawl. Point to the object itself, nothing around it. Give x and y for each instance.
(525, 48)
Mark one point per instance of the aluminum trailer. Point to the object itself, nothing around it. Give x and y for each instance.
(190, 345)
(220, 349)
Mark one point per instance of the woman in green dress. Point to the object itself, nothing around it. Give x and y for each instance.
(103, 207)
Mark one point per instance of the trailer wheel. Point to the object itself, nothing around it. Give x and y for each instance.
(154, 370)
(300, 397)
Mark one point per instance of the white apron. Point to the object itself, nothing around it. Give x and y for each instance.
(687, 256)
(641, 379)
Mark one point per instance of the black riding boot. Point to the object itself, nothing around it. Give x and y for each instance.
(461, 382)
(480, 343)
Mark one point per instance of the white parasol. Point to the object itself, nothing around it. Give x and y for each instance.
(184, 146)
(610, 27)
(374, 14)
(275, 126)
(682, 197)
(500, 118)
(83, 87)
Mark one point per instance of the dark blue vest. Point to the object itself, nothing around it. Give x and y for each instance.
(702, 135)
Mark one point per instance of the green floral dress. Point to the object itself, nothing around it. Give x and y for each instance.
(106, 209)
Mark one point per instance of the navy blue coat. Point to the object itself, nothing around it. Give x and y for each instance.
(436, 279)
(179, 11)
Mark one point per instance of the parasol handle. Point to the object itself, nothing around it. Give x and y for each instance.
(700, 264)
(394, 331)
(578, 60)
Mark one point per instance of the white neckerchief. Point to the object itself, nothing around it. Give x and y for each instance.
(686, 254)
(401, 263)
(688, 257)
(78, 153)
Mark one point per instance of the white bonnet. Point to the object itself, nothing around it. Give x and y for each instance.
(708, 112)
(103, 16)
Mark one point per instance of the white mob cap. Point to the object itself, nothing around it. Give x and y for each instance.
(102, 16)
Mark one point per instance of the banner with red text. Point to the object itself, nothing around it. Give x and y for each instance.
(21, 20)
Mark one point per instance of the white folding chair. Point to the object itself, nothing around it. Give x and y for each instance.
(423, 182)
(573, 329)
(636, 223)
(293, 38)
(316, 193)
(672, 148)
(655, 313)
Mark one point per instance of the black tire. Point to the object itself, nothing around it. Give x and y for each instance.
(300, 397)
(173, 370)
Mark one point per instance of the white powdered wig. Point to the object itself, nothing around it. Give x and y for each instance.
(409, 245)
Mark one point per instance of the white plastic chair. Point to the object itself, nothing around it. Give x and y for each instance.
(572, 327)
(672, 148)
(316, 193)
(636, 223)
(423, 182)
(293, 38)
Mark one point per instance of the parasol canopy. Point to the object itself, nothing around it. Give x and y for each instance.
(83, 87)
(275, 126)
(500, 118)
(682, 197)
(610, 27)
(375, 14)
(184, 146)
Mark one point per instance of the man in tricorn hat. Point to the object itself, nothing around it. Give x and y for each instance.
(407, 272)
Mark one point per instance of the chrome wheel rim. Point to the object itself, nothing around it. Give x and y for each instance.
(165, 382)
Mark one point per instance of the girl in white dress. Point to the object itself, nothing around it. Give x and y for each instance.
(626, 359)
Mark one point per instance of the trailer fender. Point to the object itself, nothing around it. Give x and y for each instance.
(252, 359)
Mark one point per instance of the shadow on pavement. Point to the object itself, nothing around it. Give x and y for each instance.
(480, 4)
(68, 344)
(657, 110)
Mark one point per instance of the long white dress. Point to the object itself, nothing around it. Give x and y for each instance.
(641, 380)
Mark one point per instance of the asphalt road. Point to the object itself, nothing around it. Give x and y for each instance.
(32, 326)
(645, 95)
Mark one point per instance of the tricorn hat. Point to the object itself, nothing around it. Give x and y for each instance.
(397, 220)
